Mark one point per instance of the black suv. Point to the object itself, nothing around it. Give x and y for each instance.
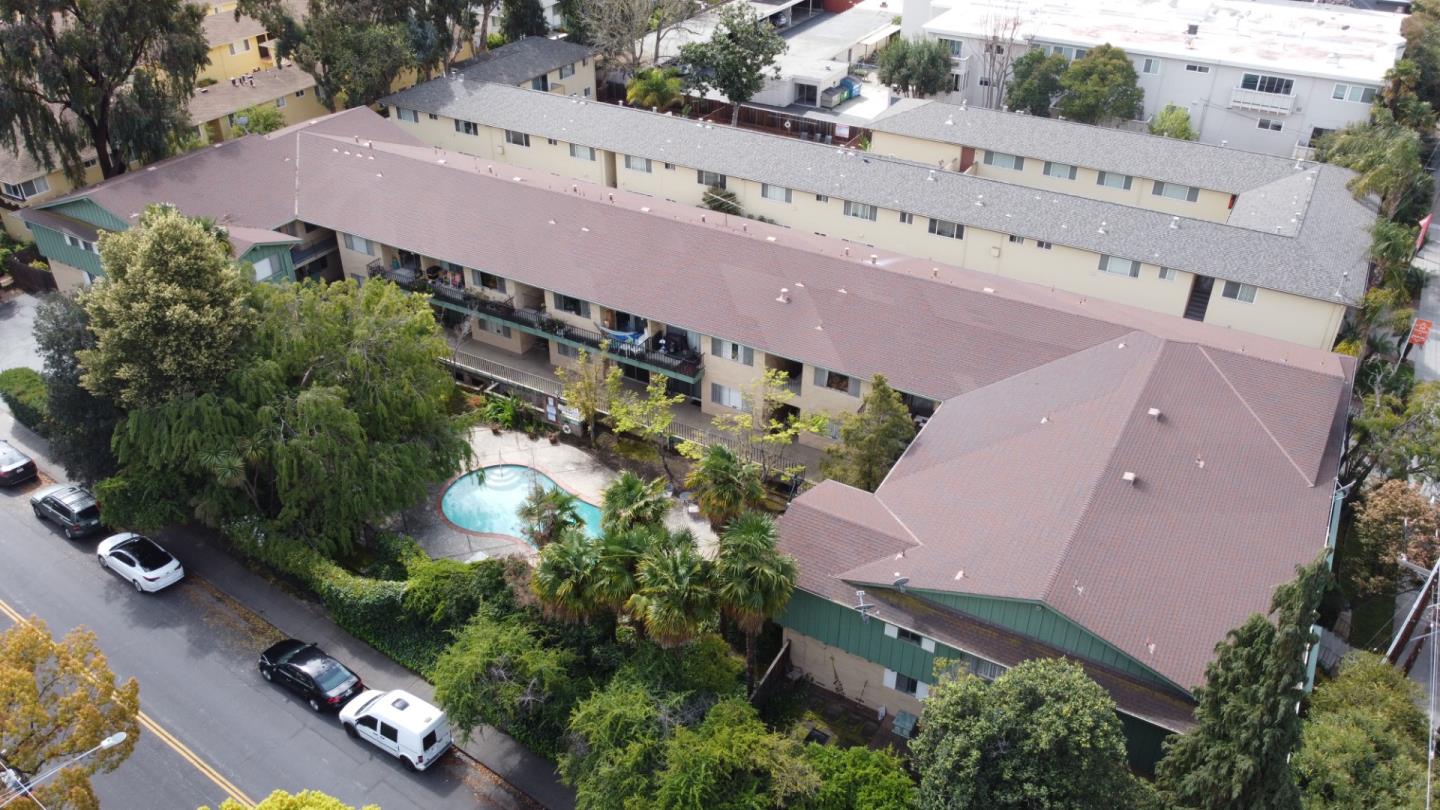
(15, 466)
(305, 669)
(70, 507)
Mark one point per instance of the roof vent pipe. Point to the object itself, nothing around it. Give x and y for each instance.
(1129, 478)
(1192, 29)
(784, 296)
(1154, 413)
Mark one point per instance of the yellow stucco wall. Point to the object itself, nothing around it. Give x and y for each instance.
(225, 65)
(67, 278)
(857, 679)
(59, 185)
(297, 109)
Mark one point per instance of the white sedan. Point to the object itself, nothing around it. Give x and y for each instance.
(140, 561)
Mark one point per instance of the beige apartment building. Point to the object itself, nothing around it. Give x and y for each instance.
(1286, 258)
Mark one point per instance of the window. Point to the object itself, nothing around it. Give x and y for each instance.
(726, 396)
(909, 635)
(1175, 192)
(957, 48)
(776, 193)
(1270, 124)
(541, 82)
(429, 741)
(837, 382)
(84, 244)
(983, 81)
(265, 268)
(25, 190)
(906, 218)
(551, 141)
(359, 245)
(407, 115)
(1198, 68)
(807, 95)
(906, 684)
(1119, 266)
(495, 327)
(431, 116)
(822, 198)
(243, 46)
(566, 350)
(670, 166)
(1114, 180)
(1167, 274)
(705, 178)
(860, 210)
(280, 102)
(1064, 171)
(388, 732)
(1150, 67)
(566, 71)
(733, 351)
(587, 92)
(1261, 83)
(1004, 161)
(301, 94)
(953, 230)
(574, 306)
(1065, 51)
(92, 161)
(1353, 92)
(986, 670)
(1244, 293)
(582, 152)
(515, 138)
(482, 279)
(470, 128)
(997, 48)
(637, 164)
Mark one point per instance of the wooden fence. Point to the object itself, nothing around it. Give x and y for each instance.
(30, 279)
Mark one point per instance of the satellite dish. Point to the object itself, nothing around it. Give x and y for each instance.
(901, 582)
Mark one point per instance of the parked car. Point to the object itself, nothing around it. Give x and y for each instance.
(15, 466)
(70, 507)
(400, 724)
(307, 671)
(140, 561)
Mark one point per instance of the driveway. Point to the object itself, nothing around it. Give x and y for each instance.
(17, 340)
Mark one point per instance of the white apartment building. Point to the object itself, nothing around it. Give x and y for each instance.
(1265, 77)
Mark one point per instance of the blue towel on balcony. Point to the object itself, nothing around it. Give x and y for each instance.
(626, 338)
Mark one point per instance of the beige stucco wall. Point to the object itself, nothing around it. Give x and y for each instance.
(67, 278)
(297, 109)
(1288, 317)
(838, 671)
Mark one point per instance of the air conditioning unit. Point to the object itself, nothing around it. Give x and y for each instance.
(500, 150)
(995, 251)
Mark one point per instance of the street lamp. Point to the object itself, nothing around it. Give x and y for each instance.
(20, 786)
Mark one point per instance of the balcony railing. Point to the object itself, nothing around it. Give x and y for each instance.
(301, 254)
(685, 366)
(1243, 99)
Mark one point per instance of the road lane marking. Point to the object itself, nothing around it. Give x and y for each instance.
(166, 737)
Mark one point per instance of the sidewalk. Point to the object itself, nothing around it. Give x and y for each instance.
(205, 556)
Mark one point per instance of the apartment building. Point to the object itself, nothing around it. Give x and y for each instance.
(1172, 472)
(238, 45)
(1287, 261)
(535, 63)
(24, 181)
(1265, 77)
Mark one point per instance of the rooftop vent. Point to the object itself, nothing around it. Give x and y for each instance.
(1192, 29)
(784, 296)
(1174, 223)
(1154, 413)
(1128, 477)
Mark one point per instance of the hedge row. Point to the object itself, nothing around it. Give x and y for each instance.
(369, 609)
(23, 390)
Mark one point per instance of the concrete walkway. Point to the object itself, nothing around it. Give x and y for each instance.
(1427, 356)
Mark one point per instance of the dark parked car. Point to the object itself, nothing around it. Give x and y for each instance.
(69, 507)
(15, 466)
(305, 669)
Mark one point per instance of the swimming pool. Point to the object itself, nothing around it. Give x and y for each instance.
(490, 505)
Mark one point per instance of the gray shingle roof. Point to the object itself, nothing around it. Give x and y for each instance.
(223, 98)
(1327, 261)
(1113, 150)
(511, 64)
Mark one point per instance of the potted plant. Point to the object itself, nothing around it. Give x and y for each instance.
(554, 436)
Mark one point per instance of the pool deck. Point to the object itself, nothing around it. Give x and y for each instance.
(572, 468)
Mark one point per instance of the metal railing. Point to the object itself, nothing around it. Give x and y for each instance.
(485, 367)
(1262, 102)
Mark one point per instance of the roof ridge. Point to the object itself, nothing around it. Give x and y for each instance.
(1261, 422)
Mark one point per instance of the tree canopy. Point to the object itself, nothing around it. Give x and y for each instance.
(1384, 154)
(260, 119)
(655, 89)
(1173, 121)
(1041, 735)
(1035, 82)
(1391, 519)
(304, 800)
(57, 701)
(522, 18)
(916, 67)
(871, 440)
(1100, 86)
(115, 75)
(80, 423)
(738, 58)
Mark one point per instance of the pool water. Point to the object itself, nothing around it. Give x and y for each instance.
(491, 504)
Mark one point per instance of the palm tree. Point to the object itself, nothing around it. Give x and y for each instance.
(754, 580)
(675, 597)
(548, 513)
(630, 502)
(724, 485)
(618, 558)
(656, 88)
(564, 577)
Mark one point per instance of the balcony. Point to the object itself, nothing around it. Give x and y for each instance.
(1273, 103)
(300, 254)
(682, 365)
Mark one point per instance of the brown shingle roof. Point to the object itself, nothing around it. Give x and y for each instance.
(233, 95)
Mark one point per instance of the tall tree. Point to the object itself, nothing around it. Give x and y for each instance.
(81, 424)
(766, 425)
(648, 417)
(113, 74)
(871, 440)
(737, 59)
(617, 29)
(724, 485)
(1400, 94)
(440, 31)
(304, 800)
(753, 579)
(1385, 156)
(173, 318)
(1041, 735)
(656, 89)
(563, 578)
(631, 502)
(620, 553)
(916, 67)
(1397, 429)
(1002, 36)
(59, 700)
(1035, 82)
(1101, 86)
(1392, 519)
(587, 385)
(1237, 757)
(260, 119)
(674, 597)
(671, 16)
(1173, 121)
(522, 18)
(549, 514)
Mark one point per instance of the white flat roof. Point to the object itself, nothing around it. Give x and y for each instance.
(1295, 38)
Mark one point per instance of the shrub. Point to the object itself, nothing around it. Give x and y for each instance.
(23, 390)
(447, 593)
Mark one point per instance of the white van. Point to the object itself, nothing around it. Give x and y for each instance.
(400, 724)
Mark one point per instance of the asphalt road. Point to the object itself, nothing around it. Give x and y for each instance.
(193, 650)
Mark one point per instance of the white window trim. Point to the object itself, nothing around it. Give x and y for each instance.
(775, 193)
